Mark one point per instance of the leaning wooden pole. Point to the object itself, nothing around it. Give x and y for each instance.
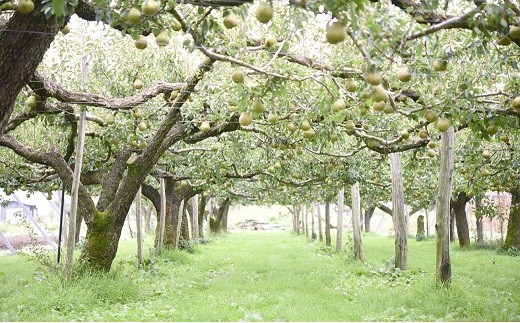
(71, 237)
(139, 225)
(356, 218)
(339, 231)
(195, 217)
(162, 216)
(399, 216)
(442, 201)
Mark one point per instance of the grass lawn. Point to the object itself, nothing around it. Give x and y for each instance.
(269, 276)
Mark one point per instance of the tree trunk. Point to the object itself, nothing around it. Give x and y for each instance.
(356, 211)
(313, 225)
(327, 224)
(420, 228)
(513, 224)
(306, 220)
(368, 217)
(147, 214)
(339, 231)
(459, 207)
(442, 226)
(320, 223)
(101, 241)
(20, 54)
(452, 225)
(185, 230)
(202, 214)
(399, 216)
(221, 216)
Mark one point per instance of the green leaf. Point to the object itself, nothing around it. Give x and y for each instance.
(59, 7)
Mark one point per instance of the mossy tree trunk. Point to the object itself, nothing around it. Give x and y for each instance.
(458, 205)
(442, 226)
(513, 224)
(221, 215)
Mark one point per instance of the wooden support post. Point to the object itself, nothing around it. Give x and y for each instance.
(306, 219)
(356, 226)
(36, 224)
(162, 215)
(9, 246)
(320, 224)
(327, 224)
(444, 191)
(179, 225)
(339, 231)
(195, 217)
(71, 239)
(427, 219)
(399, 214)
(313, 226)
(139, 224)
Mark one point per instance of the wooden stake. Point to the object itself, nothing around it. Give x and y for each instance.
(162, 216)
(195, 217)
(71, 238)
(442, 201)
(356, 226)
(399, 215)
(339, 235)
(139, 224)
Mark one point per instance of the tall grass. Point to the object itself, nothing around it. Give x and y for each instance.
(269, 276)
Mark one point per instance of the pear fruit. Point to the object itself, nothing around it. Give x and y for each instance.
(443, 124)
(141, 42)
(230, 21)
(334, 137)
(111, 119)
(492, 129)
(270, 40)
(138, 84)
(138, 114)
(31, 101)
(351, 85)
(514, 32)
(486, 154)
(388, 109)
(504, 41)
(379, 94)
(150, 7)
(176, 25)
(204, 126)
(379, 106)
(504, 137)
(430, 116)
(273, 118)
(431, 153)
(440, 65)
(292, 127)
(133, 16)
(515, 104)
(245, 119)
(264, 12)
(142, 126)
(65, 30)
(339, 105)
(335, 33)
(25, 6)
(423, 134)
(363, 110)
(258, 106)
(405, 134)
(373, 77)
(305, 125)
(238, 75)
(404, 74)
(309, 134)
(349, 125)
(162, 39)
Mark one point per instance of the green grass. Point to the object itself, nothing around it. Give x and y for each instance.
(266, 276)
